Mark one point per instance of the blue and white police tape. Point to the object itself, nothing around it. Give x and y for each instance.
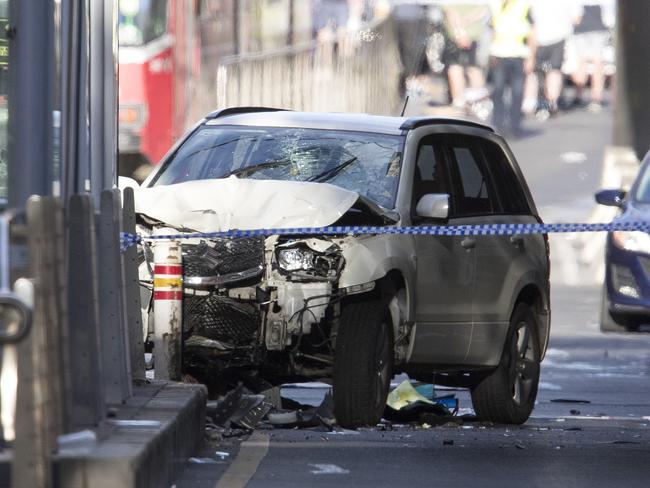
(128, 240)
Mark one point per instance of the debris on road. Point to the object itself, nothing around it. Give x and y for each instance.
(197, 460)
(328, 469)
(241, 411)
(407, 403)
(239, 408)
(283, 417)
(569, 400)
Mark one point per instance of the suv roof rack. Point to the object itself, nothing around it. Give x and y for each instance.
(241, 110)
(415, 122)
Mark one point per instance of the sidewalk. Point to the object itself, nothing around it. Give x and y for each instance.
(142, 444)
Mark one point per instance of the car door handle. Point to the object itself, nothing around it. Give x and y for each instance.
(517, 240)
(468, 243)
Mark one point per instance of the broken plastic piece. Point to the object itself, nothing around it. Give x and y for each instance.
(197, 460)
(272, 396)
(255, 410)
(283, 417)
(239, 409)
(406, 404)
(405, 395)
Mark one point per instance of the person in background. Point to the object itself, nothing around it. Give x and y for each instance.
(465, 24)
(553, 25)
(330, 19)
(593, 22)
(513, 56)
(413, 33)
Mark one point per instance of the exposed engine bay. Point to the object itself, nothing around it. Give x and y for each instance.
(269, 304)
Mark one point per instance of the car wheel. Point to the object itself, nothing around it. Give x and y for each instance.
(613, 323)
(507, 395)
(363, 363)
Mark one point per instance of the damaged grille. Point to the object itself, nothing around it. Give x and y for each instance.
(220, 318)
(226, 260)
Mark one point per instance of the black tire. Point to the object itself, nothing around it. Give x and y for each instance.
(363, 364)
(613, 323)
(507, 395)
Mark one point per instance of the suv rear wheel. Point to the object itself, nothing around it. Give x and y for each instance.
(363, 363)
(507, 395)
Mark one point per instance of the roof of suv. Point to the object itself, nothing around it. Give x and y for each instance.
(270, 117)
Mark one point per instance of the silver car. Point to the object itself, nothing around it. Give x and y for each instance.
(354, 308)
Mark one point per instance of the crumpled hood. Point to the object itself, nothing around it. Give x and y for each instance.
(232, 203)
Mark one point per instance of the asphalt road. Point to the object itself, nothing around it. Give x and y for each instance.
(596, 435)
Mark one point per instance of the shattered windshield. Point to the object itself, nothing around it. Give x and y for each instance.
(368, 164)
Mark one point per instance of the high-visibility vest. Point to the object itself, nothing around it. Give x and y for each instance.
(512, 27)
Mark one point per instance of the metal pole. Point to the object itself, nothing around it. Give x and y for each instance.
(632, 114)
(103, 96)
(74, 120)
(110, 93)
(30, 34)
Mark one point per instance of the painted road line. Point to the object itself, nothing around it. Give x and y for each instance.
(245, 465)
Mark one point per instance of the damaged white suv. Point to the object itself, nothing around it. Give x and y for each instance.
(356, 309)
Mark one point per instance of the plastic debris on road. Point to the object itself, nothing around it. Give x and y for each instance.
(239, 408)
(407, 403)
(240, 411)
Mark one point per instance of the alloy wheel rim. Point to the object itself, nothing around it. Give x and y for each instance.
(524, 368)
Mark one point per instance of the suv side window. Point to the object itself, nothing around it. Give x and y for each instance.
(431, 174)
(512, 197)
(474, 190)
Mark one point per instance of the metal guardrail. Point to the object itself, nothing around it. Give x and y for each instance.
(358, 72)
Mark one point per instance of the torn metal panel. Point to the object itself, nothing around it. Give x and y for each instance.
(369, 258)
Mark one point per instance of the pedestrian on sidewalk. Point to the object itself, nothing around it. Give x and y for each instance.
(593, 22)
(513, 56)
(553, 25)
(465, 25)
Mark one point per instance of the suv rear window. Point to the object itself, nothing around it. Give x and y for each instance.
(475, 195)
(508, 187)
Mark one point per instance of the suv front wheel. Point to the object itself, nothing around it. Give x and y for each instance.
(363, 363)
(507, 395)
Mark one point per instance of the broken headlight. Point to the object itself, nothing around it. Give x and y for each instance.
(296, 258)
(304, 263)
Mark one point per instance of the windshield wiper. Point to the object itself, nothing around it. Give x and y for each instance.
(256, 167)
(331, 173)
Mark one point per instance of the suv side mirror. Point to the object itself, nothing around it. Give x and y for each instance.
(610, 198)
(433, 206)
